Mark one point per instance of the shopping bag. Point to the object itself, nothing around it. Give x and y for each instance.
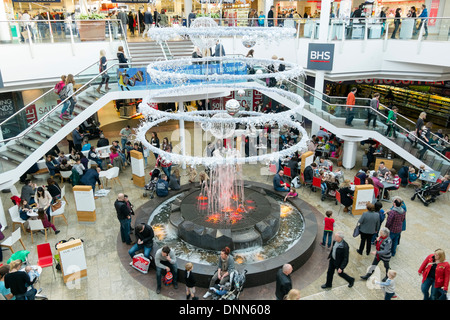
(141, 263)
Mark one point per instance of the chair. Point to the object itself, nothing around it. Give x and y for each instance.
(15, 217)
(316, 183)
(65, 175)
(63, 193)
(303, 180)
(357, 181)
(12, 239)
(287, 172)
(45, 256)
(376, 191)
(58, 213)
(113, 175)
(36, 225)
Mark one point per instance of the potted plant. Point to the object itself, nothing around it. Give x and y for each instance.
(91, 27)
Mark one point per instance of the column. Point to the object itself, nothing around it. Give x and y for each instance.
(349, 156)
(187, 8)
(182, 135)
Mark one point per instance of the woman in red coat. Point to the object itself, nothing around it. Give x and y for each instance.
(436, 273)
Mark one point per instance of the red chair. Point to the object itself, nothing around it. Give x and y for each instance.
(45, 256)
(357, 181)
(317, 183)
(377, 192)
(287, 172)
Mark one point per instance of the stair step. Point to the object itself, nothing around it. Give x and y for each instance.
(19, 149)
(53, 125)
(43, 129)
(88, 98)
(12, 156)
(36, 136)
(29, 143)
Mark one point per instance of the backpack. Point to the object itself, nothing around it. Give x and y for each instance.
(58, 87)
(168, 278)
(63, 93)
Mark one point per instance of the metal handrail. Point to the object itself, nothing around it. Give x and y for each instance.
(44, 94)
(376, 111)
(25, 132)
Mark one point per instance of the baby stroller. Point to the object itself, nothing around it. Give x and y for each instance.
(151, 185)
(330, 193)
(428, 193)
(232, 289)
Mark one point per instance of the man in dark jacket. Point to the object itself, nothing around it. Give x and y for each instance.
(308, 174)
(102, 141)
(283, 281)
(144, 235)
(162, 186)
(270, 16)
(91, 177)
(338, 261)
(124, 217)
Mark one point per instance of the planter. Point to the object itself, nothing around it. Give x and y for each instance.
(91, 30)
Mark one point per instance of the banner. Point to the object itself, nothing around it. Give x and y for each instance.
(138, 78)
(433, 13)
(248, 101)
(7, 109)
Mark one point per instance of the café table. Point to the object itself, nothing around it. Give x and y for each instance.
(386, 184)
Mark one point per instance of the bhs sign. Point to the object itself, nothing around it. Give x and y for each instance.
(320, 56)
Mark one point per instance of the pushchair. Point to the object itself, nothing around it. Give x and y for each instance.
(330, 193)
(428, 193)
(232, 289)
(151, 185)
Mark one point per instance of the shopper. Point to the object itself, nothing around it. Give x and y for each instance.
(46, 221)
(391, 123)
(368, 223)
(338, 257)
(225, 267)
(435, 273)
(148, 21)
(394, 223)
(103, 65)
(328, 229)
(383, 246)
(419, 125)
(91, 177)
(68, 92)
(165, 260)
(144, 236)
(283, 281)
(122, 59)
(270, 16)
(190, 282)
(278, 182)
(388, 286)
(350, 113)
(125, 134)
(397, 22)
(372, 111)
(426, 138)
(423, 21)
(19, 281)
(77, 139)
(124, 217)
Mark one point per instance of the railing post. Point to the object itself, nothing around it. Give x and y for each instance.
(30, 41)
(50, 27)
(419, 39)
(386, 36)
(72, 41)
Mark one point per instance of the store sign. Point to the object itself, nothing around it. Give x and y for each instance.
(320, 56)
(398, 82)
(248, 101)
(7, 109)
(433, 12)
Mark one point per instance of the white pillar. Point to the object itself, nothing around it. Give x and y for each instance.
(182, 135)
(4, 26)
(187, 8)
(349, 156)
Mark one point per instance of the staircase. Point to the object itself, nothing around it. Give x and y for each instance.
(144, 52)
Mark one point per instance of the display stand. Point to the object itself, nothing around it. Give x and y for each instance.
(306, 159)
(363, 194)
(137, 168)
(389, 163)
(72, 260)
(84, 203)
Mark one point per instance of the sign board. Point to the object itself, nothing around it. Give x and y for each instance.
(362, 195)
(433, 12)
(320, 56)
(72, 259)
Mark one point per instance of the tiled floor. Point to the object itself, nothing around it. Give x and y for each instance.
(109, 279)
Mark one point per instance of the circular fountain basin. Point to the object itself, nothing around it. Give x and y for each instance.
(261, 267)
(238, 227)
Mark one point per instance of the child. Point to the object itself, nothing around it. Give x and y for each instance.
(45, 222)
(192, 174)
(388, 285)
(412, 177)
(292, 194)
(78, 166)
(190, 282)
(328, 229)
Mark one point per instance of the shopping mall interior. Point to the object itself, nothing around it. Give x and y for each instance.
(238, 97)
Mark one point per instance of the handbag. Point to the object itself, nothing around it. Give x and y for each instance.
(356, 231)
(56, 205)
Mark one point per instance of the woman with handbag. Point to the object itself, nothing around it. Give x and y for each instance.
(368, 224)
